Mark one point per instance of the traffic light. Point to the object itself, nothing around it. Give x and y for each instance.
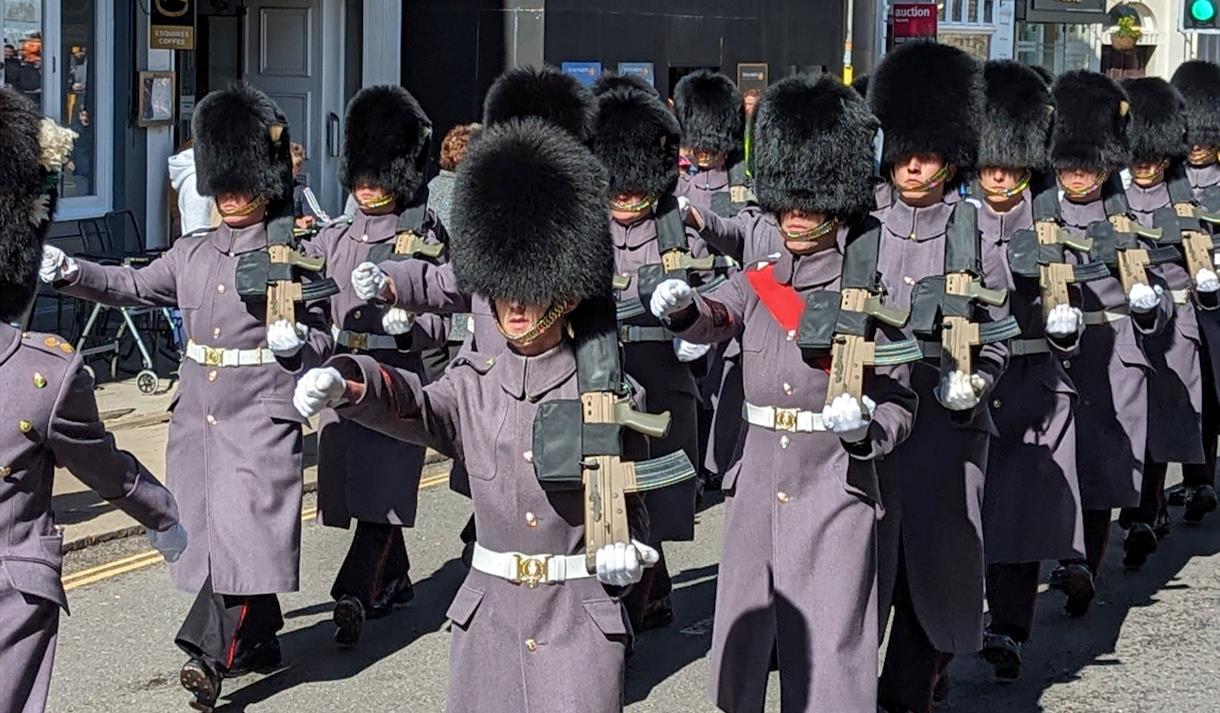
(1201, 16)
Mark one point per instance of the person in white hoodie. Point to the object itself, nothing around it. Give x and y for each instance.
(197, 211)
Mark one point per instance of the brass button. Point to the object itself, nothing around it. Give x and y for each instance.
(220, 289)
(51, 342)
(791, 334)
(531, 645)
(491, 361)
(211, 420)
(216, 332)
(357, 314)
(784, 441)
(995, 404)
(40, 381)
(1067, 363)
(25, 426)
(782, 496)
(212, 375)
(531, 520)
(788, 389)
(528, 456)
(5, 471)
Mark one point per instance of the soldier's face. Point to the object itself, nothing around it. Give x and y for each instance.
(999, 182)
(1202, 155)
(1147, 174)
(631, 207)
(370, 196)
(517, 319)
(920, 177)
(1077, 180)
(707, 160)
(239, 210)
(795, 224)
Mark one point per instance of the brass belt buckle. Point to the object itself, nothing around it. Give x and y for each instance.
(213, 357)
(357, 341)
(531, 571)
(737, 194)
(785, 419)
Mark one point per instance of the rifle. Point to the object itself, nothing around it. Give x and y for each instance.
(1041, 253)
(271, 275)
(1185, 226)
(409, 236)
(1118, 239)
(676, 259)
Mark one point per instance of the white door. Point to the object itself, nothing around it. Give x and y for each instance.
(286, 43)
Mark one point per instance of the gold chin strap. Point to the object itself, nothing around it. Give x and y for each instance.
(552, 315)
(378, 203)
(937, 179)
(817, 232)
(1086, 191)
(1009, 192)
(643, 204)
(1154, 173)
(249, 208)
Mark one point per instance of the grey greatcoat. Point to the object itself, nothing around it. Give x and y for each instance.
(1201, 179)
(48, 418)
(798, 564)
(235, 439)
(1175, 386)
(932, 485)
(363, 474)
(553, 649)
(1031, 503)
(1111, 377)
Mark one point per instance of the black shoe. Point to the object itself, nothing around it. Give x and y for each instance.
(202, 681)
(263, 657)
(1076, 581)
(1200, 500)
(398, 594)
(658, 615)
(1160, 527)
(1004, 655)
(349, 621)
(1140, 542)
(1175, 496)
(940, 693)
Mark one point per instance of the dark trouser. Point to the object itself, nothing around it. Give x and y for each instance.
(1152, 496)
(376, 567)
(1012, 596)
(219, 628)
(707, 416)
(1194, 475)
(912, 665)
(653, 587)
(1096, 526)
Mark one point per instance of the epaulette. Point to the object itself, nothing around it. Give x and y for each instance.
(480, 363)
(49, 344)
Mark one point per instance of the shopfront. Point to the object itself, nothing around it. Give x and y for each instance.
(1060, 35)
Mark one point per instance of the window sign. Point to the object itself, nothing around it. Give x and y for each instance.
(585, 72)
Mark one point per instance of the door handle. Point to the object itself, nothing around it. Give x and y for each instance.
(332, 135)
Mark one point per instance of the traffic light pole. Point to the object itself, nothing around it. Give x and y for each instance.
(850, 20)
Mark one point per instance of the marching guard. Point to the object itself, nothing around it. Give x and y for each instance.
(362, 474)
(50, 420)
(535, 627)
(1089, 146)
(798, 566)
(1199, 83)
(235, 439)
(1031, 502)
(931, 565)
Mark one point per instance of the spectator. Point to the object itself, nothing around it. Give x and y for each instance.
(305, 205)
(750, 100)
(80, 161)
(453, 149)
(195, 212)
(12, 65)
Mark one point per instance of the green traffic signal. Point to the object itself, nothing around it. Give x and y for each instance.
(1203, 10)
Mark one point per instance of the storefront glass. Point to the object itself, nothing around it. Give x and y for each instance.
(1058, 47)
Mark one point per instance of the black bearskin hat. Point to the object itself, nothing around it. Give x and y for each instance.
(711, 113)
(386, 139)
(544, 92)
(928, 97)
(813, 148)
(1199, 83)
(1046, 75)
(1091, 114)
(27, 200)
(1015, 129)
(610, 81)
(1158, 120)
(529, 217)
(242, 144)
(860, 84)
(637, 139)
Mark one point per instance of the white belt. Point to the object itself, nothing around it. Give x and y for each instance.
(1180, 297)
(530, 570)
(782, 419)
(1093, 319)
(362, 340)
(210, 356)
(1027, 347)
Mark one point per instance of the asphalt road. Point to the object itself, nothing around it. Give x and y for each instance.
(1150, 645)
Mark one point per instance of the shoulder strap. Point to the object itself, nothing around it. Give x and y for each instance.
(962, 240)
(671, 234)
(860, 254)
(782, 301)
(1179, 188)
(1114, 198)
(413, 219)
(1046, 202)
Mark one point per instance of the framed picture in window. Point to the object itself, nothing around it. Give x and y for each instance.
(156, 99)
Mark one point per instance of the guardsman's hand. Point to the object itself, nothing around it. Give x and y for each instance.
(369, 282)
(622, 564)
(1143, 299)
(846, 419)
(960, 391)
(396, 321)
(670, 298)
(284, 339)
(171, 543)
(689, 351)
(691, 216)
(56, 265)
(318, 389)
(1063, 321)
(1207, 281)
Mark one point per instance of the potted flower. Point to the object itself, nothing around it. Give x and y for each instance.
(1126, 34)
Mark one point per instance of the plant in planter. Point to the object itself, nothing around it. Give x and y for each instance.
(1126, 34)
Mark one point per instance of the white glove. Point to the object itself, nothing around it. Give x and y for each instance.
(285, 340)
(1143, 299)
(621, 564)
(688, 351)
(171, 543)
(397, 321)
(318, 389)
(368, 281)
(1064, 321)
(671, 297)
(960, 391)
(846, 419)
(56, 265)
(1207, 281)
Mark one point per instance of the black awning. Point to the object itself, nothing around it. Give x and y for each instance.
(1072, 12)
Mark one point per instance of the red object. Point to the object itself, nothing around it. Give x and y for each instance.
(783, 302)
(914, 21)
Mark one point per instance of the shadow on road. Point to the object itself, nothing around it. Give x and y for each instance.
(314, 657)
(663, 653)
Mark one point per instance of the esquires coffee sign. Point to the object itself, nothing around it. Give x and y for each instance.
(1074, 12)
(172, 25)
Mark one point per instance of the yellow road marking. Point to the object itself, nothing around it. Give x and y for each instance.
(131, 563)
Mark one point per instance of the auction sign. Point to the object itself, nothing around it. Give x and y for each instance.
(172, 25)
(914, 21)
